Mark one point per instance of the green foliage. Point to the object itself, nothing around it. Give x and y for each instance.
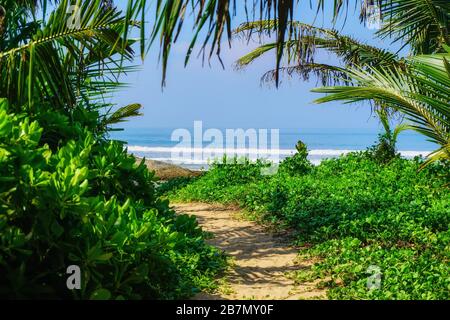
(68, 195)
(420, 92)
(232, 175)
(174, 184)
(384, 150)
(353, 213)
(298, 163)
(87, 203)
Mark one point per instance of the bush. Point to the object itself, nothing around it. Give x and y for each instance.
(384, 150)
(354, 213)
(231, 175)
(172, 185)
(298, 163)
(86, 202)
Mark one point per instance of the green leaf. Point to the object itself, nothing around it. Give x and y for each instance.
(101, 294)
(56, 229)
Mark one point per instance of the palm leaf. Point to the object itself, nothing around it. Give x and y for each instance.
(421, 92)
(57, 59)
(122, 114)
(306, 42)
(421, 24)
(215, 18)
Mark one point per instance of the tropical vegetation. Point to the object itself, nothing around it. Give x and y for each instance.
(349, 216)
(69, 195)
(364, 210)
(417, 87)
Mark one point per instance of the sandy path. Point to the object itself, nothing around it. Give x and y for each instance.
(260, 259)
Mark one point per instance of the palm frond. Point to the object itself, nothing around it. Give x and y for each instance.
(324, 73)
(215, 18)
(306, 41)
(421, 92)
(52, 63)
(122, 114)
(424, 25)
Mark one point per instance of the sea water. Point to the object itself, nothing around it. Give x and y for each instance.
(157, 144)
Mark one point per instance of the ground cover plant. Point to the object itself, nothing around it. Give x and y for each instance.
(353, 215)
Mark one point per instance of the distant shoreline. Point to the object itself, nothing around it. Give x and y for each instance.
(167, 171)
(160, 158)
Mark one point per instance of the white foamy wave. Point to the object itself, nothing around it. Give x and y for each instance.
(237, 151)
(252, 152)
(216, 151)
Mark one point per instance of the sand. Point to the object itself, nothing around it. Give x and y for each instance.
(261, 260)
(167, 171)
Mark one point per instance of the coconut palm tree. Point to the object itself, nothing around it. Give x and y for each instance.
(71, 56)
(215, 18)
(421, 92)
(421, 24)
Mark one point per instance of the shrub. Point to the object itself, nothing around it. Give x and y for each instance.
(298, 163)
(384, 150)
(86, 202)
(172, 185)
(232, 175)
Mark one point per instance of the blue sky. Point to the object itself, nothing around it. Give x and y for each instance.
(236, 99)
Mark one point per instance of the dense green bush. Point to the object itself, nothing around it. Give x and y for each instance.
(174, 184)
(353, 213)
(298, 163)
(384, 150)
(82, 200)
(231, 174)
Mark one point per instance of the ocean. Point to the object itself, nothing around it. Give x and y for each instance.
(157, 144)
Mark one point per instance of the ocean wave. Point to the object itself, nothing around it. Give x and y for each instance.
(239, 151)
(252, 152)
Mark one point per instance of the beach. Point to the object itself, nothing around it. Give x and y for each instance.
(158, 145)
